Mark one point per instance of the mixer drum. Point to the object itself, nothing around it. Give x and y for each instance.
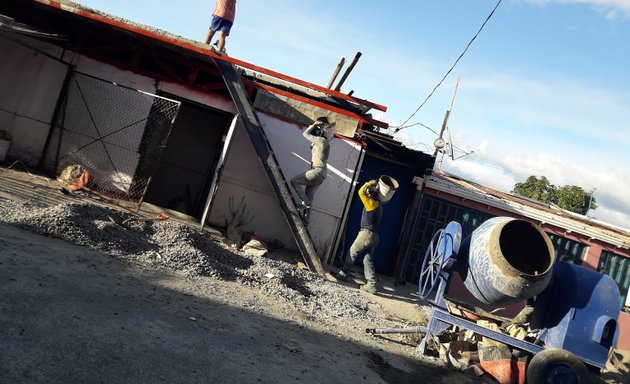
(506, 260)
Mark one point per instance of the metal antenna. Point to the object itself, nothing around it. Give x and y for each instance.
(446, 116)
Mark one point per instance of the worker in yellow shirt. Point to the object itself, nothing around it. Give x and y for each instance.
(373, 194)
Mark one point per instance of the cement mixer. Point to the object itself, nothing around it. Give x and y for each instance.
(507, 260)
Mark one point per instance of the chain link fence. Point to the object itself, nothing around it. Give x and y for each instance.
(116, 134)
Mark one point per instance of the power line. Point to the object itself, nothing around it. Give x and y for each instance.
(422, 125)
(402, 126)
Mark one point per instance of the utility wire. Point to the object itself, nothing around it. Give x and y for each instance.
(402, 126)
(422, 125)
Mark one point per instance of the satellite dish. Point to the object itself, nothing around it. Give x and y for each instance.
(439, 143)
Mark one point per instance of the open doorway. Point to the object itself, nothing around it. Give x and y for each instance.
(184, 174)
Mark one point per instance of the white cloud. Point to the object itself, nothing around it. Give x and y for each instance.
(483, 145)
(550, 119)
(563, 104)
(611, 9)
(612, 191)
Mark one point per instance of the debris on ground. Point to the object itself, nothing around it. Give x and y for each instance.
(75, 177)
(255, 247)
(177, 246)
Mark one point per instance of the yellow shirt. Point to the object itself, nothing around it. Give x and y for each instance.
(369, 203)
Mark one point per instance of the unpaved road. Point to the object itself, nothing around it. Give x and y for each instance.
(69, 314)
(164, 303)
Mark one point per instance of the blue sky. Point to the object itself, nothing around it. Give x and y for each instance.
(544, 89)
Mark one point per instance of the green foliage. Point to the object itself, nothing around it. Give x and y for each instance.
(537, 189)
(575, 199)
(569, 197)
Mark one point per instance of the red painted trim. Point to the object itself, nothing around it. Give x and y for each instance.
(307, 100)
(298, 124)
(192, 75)
(204, 88)
(362, 144)
(209, 53)
(623, 342)
(319, 104)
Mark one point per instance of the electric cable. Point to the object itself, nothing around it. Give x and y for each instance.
(402, 126)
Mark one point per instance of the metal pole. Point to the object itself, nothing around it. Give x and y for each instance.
(590, 201)
(447, 115)
(347, 73)
(383, 331)
(336, 72)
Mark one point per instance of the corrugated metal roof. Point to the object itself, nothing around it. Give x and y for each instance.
(190, 46)
(584, 225)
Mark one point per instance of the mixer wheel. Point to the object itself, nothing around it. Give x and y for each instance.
(557, 366)
(432, 264)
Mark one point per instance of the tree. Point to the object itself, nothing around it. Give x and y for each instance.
(575, 199)
(569, 197)
(538, 189)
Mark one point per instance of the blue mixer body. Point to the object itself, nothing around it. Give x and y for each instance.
(578, 312)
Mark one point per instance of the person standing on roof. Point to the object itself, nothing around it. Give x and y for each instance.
(222, 20)
(373, 194)
(320, 133)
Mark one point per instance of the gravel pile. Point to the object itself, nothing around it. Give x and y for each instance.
(176, 246)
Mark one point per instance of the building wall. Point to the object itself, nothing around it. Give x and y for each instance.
(114, 74)
(624, 331)
(243, 176)
(31, 83)
(35, 81)
(213, 100)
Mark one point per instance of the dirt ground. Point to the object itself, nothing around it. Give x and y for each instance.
(176, 308)
(70, 314)
(73, 315)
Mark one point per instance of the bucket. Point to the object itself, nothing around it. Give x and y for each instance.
(386, 187)
(4, 148)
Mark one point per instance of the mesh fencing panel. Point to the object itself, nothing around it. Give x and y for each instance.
(116, 134)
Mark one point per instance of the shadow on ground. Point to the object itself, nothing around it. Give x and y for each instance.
(72, 315)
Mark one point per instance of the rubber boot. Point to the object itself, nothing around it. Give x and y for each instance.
(370, 287)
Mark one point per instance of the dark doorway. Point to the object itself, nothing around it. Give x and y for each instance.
(185, 170)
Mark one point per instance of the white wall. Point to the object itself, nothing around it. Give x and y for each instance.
(30, 84)
(212, 100)
(244, 176)
(115, 74)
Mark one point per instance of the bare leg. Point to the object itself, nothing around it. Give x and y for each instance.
(209, 37)
(221, 44)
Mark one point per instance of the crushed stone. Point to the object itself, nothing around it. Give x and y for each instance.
(180, 247)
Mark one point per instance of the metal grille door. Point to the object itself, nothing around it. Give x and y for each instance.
(567, 250)
(617, 267)
(115, 133)
(434, 214)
